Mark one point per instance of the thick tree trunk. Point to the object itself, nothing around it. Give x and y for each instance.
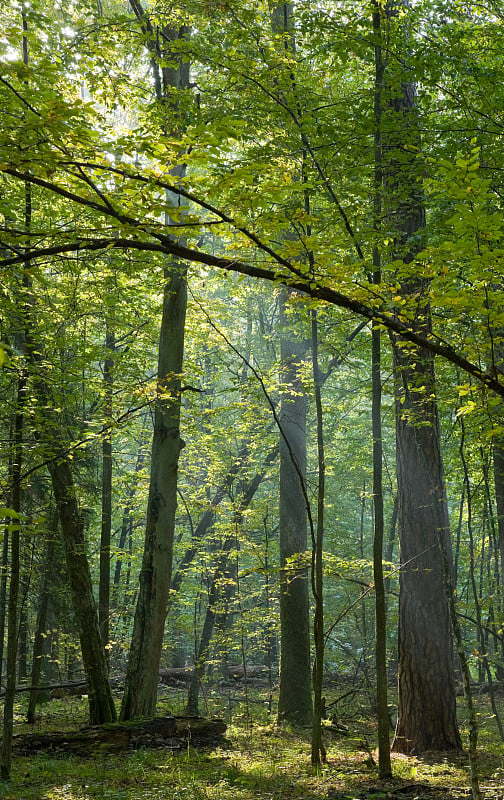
(294, 702)
(426, 707)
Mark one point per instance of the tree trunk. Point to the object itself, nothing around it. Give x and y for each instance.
(426, 706)
(214, 596)
(318, 752)
(3, 592)
(40, 642)
(106, 515)
(12, 610)
(498, 467)
(101, 702)
(140, 692)
(294, 702)
(126, 525)
(427, 710)
(384, 765)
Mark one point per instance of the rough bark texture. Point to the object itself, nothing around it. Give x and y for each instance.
(427, 709)
(426, 706)
(294, 702)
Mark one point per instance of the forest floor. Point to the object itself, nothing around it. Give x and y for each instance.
(256, 761)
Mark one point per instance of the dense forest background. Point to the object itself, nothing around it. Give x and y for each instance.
(251, 316)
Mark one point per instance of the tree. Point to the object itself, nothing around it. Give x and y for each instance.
(140, 693)
(427, 709)
(384, 764)
(294, 702)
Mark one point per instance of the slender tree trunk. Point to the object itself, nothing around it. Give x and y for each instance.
(447, 568)
(15, 484)
(101, 703)
(484, 666)
(384, 765)
(12, 611)
(126, 523)
(106, 515)
(221, 575)
(494, 572)
(3, 592)
(140, 692)
(216, 594)
(318, 752)
(41, 628)
(22, 634)
(498, 468)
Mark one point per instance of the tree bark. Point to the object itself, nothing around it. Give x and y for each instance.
(101, 702)
(318, 752)
(12, 603)
(426, 706)
(427, 709)
(140, 692)
(171, 732)
(39, 644)
(3, 592)
(294, 702)
(384, 765)
(498, 470)
(106, 515)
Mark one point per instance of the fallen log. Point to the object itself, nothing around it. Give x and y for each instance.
(240, 673)
(175, 676)
(171, 732)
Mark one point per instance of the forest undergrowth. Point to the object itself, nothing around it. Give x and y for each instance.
(258, 761)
